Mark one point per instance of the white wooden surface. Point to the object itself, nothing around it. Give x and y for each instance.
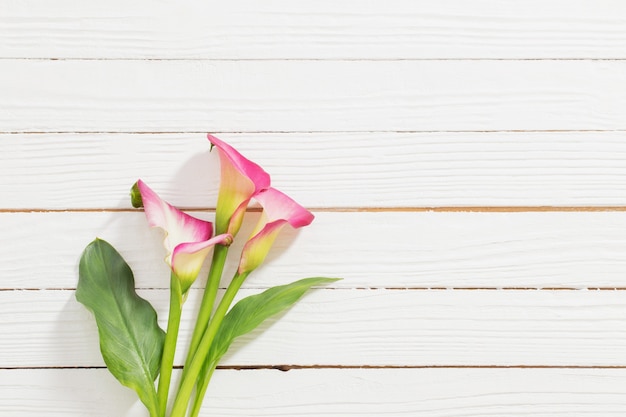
(465, 160)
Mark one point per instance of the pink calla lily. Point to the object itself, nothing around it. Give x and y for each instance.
(278, 211)
(187, 239)
(241, 179)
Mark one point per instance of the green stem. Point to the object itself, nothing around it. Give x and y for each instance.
(169, 347)
(195, 367)
(201, 390)
(208, 299)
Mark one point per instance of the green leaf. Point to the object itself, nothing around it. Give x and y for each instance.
(244, 317)
(251, 311)
(131, 341)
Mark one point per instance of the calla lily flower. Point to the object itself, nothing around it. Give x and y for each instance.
(278, 211)
(187, 239)
(241, 179)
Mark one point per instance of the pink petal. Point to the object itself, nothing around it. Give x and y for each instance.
(187, 258)
(240, 180)
(260, 179)
(257, 247)
(278, 205)
(179, 227)
(278, 211)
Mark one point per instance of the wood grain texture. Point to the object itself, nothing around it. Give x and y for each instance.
(283, 29)
(368, 113)
(68, 171)
(335, 393)
(383, 250)
(356, 328)
(246, 96)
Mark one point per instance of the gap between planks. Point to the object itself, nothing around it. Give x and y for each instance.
(446, 209)
(309, 59)
(326, 288)
(286, 368)
(283, 132)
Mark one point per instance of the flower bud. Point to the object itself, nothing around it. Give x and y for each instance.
(135, 196)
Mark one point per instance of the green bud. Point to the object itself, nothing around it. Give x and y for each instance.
(135, 196)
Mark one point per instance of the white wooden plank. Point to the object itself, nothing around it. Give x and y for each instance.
(58, 171)
(323, 29)
(183, 96)
(392, 249)
(357, 327)
(335, 392)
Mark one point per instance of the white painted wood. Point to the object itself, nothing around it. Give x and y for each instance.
(348, 84)
(335, 393)
(392, 249)
(357, 327)
(184, 96)
(325, 29)
(59, 171)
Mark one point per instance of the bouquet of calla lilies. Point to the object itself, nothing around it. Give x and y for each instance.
(135, 349)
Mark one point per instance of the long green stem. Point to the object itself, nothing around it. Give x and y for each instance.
(208, 299)
(195, 367)
(201, 390)
(169, 347)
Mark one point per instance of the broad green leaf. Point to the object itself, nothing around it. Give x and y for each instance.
(251, 311)
(131, 341)
(244, 317)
